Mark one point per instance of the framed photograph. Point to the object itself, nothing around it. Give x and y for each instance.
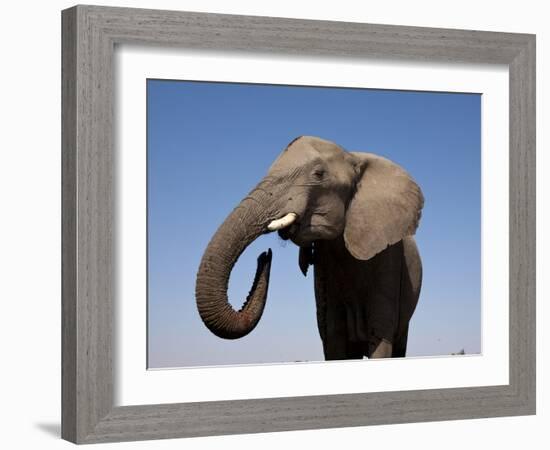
(279, 224)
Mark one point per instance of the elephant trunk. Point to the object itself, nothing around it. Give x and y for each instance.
(247, 221)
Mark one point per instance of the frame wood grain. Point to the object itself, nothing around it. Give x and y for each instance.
(90, 34)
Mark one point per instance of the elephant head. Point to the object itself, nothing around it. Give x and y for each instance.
(315, 190)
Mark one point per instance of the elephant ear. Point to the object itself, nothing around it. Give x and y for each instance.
(385, 208)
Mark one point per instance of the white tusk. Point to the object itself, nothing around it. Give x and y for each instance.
(283, 222)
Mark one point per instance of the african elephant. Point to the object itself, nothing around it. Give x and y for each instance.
(353, 216)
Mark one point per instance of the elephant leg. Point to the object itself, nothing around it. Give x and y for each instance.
(356, 321)
(335, 342)
(355, 350)
(400, 345)
(344, 332)
(335, 348)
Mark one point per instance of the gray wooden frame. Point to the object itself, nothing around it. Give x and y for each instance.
(89, 36)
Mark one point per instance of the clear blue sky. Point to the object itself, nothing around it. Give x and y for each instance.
(210, 143)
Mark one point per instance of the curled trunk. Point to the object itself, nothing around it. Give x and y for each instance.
(240, 228)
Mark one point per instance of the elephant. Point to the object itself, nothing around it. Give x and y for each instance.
(353, 216)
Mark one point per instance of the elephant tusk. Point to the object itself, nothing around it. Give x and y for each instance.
(283, 222)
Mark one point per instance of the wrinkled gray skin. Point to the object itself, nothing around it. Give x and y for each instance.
(356, 214)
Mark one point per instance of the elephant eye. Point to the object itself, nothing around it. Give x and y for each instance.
(319, 173)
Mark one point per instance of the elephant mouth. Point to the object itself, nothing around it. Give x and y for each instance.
(298, 233)
(286, 226)
(290, 232)
(304, 232)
